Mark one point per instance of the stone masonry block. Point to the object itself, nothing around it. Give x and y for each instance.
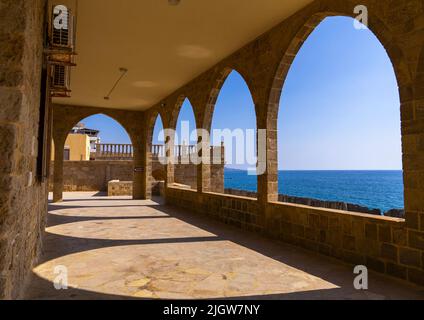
(384, 233)
(416, 240)
(371, 231)
(409, 257)
(389, 252)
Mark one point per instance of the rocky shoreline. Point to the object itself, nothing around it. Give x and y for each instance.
(395, 213)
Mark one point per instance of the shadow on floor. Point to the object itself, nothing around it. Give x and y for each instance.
(62, 207)
(80, 294)
(55, 220)
(286, 254)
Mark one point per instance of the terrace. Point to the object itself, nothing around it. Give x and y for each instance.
(194, 242)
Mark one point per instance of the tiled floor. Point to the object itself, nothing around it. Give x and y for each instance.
(116, 248)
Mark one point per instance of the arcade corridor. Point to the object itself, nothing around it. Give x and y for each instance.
(117, 248)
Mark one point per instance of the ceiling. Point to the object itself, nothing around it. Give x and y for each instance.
(162, 46)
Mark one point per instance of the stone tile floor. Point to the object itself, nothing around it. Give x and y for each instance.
(116, 248)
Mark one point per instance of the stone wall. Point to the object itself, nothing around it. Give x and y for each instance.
(187, 173)
(383, 244)
(93, 175)
(23, 198)
(344, 206)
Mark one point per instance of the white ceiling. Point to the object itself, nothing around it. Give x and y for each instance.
(163, 46)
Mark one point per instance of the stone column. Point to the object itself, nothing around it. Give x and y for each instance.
(204, 166)
(58, 170)
(267, 144)
(169, 167)
(139, 180)
(142, 187)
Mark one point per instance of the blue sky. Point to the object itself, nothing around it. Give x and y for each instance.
(110, 130)
(339, 107)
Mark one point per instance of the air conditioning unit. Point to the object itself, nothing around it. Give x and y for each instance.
(60, 81)
(61, 49)
(62, 27)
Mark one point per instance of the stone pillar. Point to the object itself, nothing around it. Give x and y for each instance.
(142, 186)
(169, 166)
(139, 178)
(148, 177)
(268, 159)
(58, 170)
(204, 165)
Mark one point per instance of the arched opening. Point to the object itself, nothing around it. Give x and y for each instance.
(158, 154)
(339, 138)
(234, 133)
(98, 157)
(185, 147)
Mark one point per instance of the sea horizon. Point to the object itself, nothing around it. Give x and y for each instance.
(375, 189)
(331, 170)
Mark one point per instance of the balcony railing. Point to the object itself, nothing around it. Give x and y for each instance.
(187, 152)
(109, 151)
(179, 150)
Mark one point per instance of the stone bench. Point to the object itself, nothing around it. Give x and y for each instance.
(119, 188)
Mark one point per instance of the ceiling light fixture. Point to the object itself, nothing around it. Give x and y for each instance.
(174, 2)
(123, 73)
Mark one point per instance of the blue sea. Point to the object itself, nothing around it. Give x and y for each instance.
(373, 189)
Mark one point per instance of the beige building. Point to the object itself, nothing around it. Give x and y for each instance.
(77, 148)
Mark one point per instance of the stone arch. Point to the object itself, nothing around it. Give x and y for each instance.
(150, 126)
(268, 184)
(170, 124)
(204, 171)
(70, 123)
(421, 61)
(65, 120)
(399, 63)
(175, 112)
(419, 77)
(215, 90)
(60, 134)
(104, 114)
(66, 116)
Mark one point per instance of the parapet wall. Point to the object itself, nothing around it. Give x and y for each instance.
(336, 205)
(383, 244)
(95, 175)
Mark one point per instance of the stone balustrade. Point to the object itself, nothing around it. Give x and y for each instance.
(113, 151)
